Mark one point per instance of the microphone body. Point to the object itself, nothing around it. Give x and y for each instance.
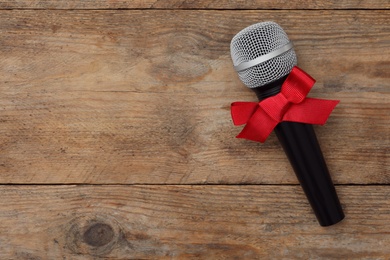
(263, 56)
(301, 146)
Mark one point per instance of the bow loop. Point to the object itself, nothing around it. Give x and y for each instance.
(290, 104)
(297, 85)
(242, 111)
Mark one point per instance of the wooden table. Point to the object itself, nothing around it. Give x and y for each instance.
(117, 142)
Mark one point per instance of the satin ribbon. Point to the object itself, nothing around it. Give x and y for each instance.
(290, 104)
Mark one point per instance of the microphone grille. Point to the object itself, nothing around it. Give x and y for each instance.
(257, 40)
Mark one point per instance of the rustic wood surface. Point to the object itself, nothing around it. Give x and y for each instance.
(191, 4)
(109, 117)
(89, 98)
(188, 222)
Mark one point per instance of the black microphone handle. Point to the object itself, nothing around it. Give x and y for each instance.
(301, 146)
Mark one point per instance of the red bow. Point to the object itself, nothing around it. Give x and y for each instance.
(290, 104)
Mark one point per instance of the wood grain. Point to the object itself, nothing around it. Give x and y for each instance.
(181, 222)
(137, 97)
(189, 4)
(138, 92)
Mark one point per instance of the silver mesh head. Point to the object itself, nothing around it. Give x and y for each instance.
(257, 40)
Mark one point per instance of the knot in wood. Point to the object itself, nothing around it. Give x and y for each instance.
(98, 234)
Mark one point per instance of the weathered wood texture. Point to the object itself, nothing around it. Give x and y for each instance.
(143, 96)
(182, 222)
(190, 4)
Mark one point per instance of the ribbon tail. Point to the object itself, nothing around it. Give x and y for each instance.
(311, 111)
(258, 128)
(241, 112)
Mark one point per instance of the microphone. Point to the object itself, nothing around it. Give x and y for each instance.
(263, 57)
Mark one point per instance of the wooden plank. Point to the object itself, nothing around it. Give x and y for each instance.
(181, 222)
(189, 4)
(138, 97)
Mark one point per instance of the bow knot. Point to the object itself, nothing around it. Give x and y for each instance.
(290, 104)
(275, 107)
